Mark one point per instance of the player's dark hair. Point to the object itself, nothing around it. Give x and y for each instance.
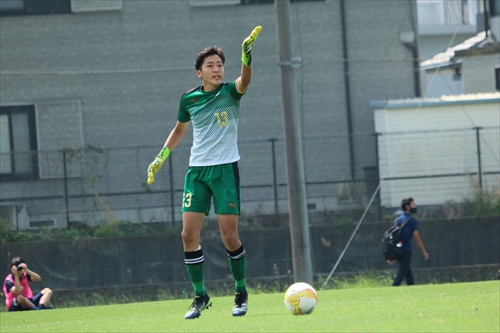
(206, 52)
(16, 261)
(406, 202)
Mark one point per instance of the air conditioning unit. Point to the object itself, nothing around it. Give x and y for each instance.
(15, 215)
(206, 3)
(83, 6)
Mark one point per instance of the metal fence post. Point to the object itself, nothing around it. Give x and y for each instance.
(66, 198)
(172, 209)
(275, 181)
(379, 202)
(479, 166)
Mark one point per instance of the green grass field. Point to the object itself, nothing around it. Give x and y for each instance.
(458, 307)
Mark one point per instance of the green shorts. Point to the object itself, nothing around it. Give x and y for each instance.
(220, 181)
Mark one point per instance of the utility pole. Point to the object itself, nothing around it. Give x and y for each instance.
(299, 222)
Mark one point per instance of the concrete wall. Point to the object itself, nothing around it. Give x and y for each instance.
(478, 73)
(121, 71)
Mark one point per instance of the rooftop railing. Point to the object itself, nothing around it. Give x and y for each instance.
(447, 12)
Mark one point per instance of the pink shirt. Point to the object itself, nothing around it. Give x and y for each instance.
(26, 292)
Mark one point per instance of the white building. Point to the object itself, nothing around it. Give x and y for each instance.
(446, 23)
(469, 67)
(438, 149)
(462, 63)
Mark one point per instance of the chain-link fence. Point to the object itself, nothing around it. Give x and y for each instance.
(85, 217)
(100, 185)
(94, 187)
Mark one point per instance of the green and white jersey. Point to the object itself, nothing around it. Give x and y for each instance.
(215, 117)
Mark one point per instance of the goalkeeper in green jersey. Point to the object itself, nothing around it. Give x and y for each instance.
(214, 110)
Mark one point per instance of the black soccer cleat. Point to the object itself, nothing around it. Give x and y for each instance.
(199, 304)
(240, 307)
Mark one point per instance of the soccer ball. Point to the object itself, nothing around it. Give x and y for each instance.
(301, 299)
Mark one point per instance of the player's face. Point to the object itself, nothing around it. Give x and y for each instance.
(211, 73)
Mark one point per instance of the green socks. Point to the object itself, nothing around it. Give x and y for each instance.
(237, 262)
(238, 265)
(194, 263)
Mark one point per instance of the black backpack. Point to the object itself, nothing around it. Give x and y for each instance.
(392, 247)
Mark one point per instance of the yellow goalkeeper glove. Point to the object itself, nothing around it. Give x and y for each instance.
(157, 163)
(247, 46)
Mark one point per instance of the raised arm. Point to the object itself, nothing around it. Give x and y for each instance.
(17, 288)
(245, 78)
(34, 276)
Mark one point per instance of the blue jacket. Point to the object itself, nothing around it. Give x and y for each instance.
(407, 231)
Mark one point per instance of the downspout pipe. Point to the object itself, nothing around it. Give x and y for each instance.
(414, 51)
(416, 68)
(486, 18)
(347, 89)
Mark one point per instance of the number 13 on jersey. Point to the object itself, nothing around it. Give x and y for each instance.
(222, 118)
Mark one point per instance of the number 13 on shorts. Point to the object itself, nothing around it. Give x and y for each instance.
(186, 199)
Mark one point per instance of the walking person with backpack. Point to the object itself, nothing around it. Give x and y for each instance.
(409, 230)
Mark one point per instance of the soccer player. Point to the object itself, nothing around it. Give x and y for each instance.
(214, 109)
(16, 287)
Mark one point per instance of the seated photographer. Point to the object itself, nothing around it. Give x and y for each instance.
(18, 294)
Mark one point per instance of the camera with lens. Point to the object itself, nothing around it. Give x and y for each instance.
(19, 268)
